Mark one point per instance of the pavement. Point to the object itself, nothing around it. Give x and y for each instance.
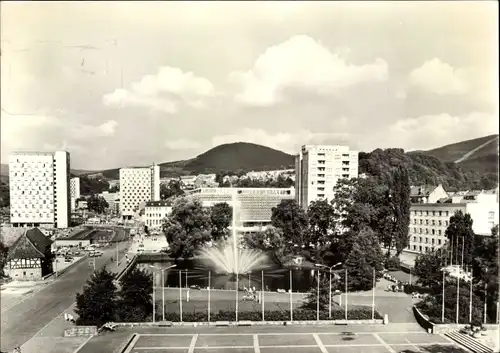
(393, 338)
(44, 307)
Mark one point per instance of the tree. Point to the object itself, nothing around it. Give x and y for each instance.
(400, 201)
(311, 300)
(293, 221)
(172, 189)
(4, 195)
(272, 241)
(321, 222)
(221, 215)
(90, 186)
(187, 227)
(4, 251)
(461, 236)
(135, 302)
(97, 204)
(364, 257)
(428, 268)
(96, 305)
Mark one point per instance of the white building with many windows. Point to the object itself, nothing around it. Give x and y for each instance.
(39, 189)
(428, 221)
(318, 168)
(155, 212)
(138, 186)
(74, 191)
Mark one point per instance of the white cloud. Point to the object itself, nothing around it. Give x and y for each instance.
(163, 91)
(431, 131)
(301, 62)
(289, 142)
(439, 77)
(108, 128)
(182, 144)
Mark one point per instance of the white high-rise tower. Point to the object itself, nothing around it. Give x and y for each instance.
(138, 186)
(318, 168)
(39, 189)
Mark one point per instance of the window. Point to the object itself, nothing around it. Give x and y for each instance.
(432, 241)
(421, 221)
(433, 232)
(439, 241)
(439, 223)
(426, 231)
(446, 213)
(446, 223)
(426, 240)
(433, 213)
(440, 214)
(439, 231)
(426, 222)
(420, 240)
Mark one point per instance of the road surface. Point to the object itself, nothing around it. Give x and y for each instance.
(22, 321)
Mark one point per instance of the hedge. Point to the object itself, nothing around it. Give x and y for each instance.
(270, 315)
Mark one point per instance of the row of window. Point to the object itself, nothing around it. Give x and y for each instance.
(433, 241)
(433, 213)
(432, 222)
(426, 231)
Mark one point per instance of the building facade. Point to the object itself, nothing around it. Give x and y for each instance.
(113, 200)
(155, 212)
(74, 191)
(254, 205)
(138, 186)
(30, 257)
(318, 168)
(428, 221)
(40, 189)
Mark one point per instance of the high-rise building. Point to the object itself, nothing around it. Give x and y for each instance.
(74, 191)
(39, 189)
(138, 186)
(318, 168)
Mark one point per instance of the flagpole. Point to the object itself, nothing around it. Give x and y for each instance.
(346, 294)
(154, 302)
(209, 273)
(291, 298)
(442, 301)
(180, 293)
(317, 300)
(458, 296)
(373, 295)
(470, 300)
(237, 296)
(262, 294)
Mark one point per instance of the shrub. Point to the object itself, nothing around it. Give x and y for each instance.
(271, 315)
(393, 263)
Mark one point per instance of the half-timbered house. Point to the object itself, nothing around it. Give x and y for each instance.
(30, 257)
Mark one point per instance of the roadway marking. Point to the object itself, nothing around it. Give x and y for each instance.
(319, 343)
(83, 344)
(256, 347)
(294, 346)
(418, 350)
(279, 333)
(378, 338)
(193, 343)
(132, 343)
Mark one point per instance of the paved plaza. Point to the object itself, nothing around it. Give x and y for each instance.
(270, 339)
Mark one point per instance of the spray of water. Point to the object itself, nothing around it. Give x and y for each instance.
(229, 257)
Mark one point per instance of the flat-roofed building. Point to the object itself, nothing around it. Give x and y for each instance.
(40, 189)
(428, 221)
(155, 212)
(138, 186)
(254, 205)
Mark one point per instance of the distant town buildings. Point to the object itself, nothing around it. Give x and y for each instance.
(74, 191)
(113, 200)
(114, 184)
(155, 212)
(39, 189)
(432, 209)
(138, 186)
(318, 168)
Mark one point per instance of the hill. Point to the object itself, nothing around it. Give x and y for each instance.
(426, 169)
(239, 156)
(480, 154)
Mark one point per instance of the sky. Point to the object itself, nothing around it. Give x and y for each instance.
(123, 83)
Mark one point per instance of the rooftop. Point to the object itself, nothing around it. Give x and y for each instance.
(158, 203)
(31, 244)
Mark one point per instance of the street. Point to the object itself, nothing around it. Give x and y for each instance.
(23, 320)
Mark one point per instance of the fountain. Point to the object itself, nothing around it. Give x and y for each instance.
(229, 258)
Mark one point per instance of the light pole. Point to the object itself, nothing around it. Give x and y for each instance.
(330, 291)
(162, 270)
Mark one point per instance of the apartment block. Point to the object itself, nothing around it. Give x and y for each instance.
(428, 221)
(113, 200)
(138, 186)
(39, 189)
(318, 168)
(74, 191)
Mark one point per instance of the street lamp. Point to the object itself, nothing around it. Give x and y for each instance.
(330, 291)
(162, 270)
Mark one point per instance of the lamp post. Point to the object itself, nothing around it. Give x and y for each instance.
(330, 291)
(162, 270)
